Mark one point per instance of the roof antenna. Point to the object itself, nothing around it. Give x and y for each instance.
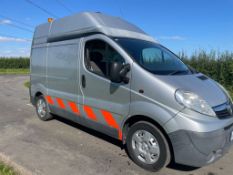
(120, 10)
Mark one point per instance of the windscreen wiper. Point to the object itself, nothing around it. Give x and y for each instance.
(178, 72)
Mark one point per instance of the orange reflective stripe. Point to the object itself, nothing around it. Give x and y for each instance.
(90, 113)
(74, 107)
(111, 122)
(60, 103)
(120, 134)
(109, 119)
(49, 100)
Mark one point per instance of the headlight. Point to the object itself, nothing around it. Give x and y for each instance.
(194, 102)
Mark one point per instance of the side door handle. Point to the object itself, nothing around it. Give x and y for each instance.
(83, 81)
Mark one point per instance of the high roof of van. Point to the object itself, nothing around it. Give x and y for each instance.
(86, 23)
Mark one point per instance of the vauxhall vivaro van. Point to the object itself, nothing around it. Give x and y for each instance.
(107, 74)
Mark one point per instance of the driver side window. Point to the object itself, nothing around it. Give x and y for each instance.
(99, 55)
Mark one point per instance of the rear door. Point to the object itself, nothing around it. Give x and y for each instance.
(104, 103)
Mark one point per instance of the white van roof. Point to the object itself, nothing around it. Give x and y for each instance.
(87, 23)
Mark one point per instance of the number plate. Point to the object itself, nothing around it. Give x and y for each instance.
(231, 136)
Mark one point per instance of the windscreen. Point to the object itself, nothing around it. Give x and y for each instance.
(153, 57)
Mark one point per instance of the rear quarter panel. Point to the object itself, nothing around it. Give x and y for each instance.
(62, 70)
(38, 70)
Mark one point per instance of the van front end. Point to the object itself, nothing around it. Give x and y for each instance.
(199, 140)
(196, 111)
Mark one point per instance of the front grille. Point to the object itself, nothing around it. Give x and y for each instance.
(223, 111)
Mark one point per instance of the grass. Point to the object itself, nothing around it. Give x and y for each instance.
(7, 170)
(13, 71)
(27, 84)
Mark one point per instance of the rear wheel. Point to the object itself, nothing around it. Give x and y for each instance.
(42, 109)
(147, 146)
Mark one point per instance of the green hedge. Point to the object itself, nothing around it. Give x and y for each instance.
(14, 63)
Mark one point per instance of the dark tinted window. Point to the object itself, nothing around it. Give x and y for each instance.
(153, 57)
(99, 55)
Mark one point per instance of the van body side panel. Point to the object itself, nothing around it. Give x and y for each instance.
(62, 73)
(38, 70)
(150, 103)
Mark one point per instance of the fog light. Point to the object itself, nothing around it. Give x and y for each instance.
(214, 155)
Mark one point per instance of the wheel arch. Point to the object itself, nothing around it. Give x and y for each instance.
(37, 94)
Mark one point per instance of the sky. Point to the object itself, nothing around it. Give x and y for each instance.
(180, 25)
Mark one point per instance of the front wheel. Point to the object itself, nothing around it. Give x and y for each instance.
(42, 109)
(147, 146)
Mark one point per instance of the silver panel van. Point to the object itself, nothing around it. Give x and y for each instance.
(107, 74)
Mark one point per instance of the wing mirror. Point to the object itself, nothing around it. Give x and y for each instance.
(118, 72)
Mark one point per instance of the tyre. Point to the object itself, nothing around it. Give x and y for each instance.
(42, 109)
(147, 146)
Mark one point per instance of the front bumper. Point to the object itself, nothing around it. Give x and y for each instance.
(200, 148)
